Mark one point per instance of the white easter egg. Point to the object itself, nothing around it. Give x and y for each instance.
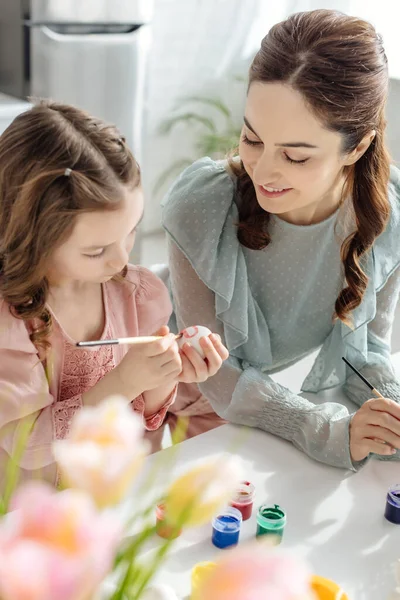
(159, 592)
(192, 336)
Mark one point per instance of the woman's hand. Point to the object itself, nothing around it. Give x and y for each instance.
(375, 427)
(195, 369)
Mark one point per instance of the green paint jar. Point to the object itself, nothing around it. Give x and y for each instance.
(271, 520)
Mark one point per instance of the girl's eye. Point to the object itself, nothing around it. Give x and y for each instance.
(296, 162)
(95, 255)
(246, 140)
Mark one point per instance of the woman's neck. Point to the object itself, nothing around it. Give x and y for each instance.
(317, 211)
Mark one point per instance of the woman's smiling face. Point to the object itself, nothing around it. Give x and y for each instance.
(296, 164)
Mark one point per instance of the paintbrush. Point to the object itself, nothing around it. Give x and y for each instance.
(364, 379)
(131, 341)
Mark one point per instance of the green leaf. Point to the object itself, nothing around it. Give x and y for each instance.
(179, 433)
(131, 566)
(170, 172)
(188, 118)
(13, 470)
(138, 586)
(213, 102)
(210, 144)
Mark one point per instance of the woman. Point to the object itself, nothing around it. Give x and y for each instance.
(294, 244)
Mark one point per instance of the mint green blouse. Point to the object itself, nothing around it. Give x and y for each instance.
(275, 306)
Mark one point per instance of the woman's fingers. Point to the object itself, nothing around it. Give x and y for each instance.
(374, 432)
(385, 421)
(376, 447)
(218, 345)
(384, 405)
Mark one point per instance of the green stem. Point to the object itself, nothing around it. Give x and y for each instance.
(149, 481)
(128, 558)
(149, 573)
(13, 469)
(162, 551)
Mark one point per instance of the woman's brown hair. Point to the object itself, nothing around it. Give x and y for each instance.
(56, 161)
(338, 64)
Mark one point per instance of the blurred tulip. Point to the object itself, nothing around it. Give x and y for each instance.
(104, 451)
(256, 572)
(54, 545)
(195, 497)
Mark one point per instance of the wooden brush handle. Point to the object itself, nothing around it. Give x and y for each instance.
(377, 394)
(131, 341)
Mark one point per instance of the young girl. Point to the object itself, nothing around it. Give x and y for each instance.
(70, 203)
(302, 240)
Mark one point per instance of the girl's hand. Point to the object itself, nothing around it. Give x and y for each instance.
(196, 369)
(150, 365)
(375, 427)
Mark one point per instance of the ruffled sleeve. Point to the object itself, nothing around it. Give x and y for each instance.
(200, 215)
(25, 397)
(358, 343)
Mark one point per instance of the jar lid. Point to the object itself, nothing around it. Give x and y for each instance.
(245, 493)
(273, 517)
(392, 510)
(228, 520)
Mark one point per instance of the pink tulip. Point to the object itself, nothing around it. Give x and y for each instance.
(54, 546)
(256, 572)
(104, 451)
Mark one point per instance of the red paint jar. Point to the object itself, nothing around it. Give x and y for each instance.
(163, 528)
(244, 498)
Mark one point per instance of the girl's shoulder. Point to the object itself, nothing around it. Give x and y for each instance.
(141, 294)
(14, 334)
(140, 285)
(147, 285)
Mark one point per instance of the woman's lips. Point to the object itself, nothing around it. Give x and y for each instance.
(270, 192)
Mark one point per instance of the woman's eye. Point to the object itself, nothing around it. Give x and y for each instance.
(296, 162)
(249, 142)
(95, 255)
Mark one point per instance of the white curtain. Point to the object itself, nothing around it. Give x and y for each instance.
(195, 43)
(198, 48)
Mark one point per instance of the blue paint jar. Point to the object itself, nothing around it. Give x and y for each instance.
(226, 528)
(392, 511)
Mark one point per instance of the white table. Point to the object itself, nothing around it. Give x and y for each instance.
(335, 518)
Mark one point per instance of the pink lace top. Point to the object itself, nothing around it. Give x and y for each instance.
(138, 306)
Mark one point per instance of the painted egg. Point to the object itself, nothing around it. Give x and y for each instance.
(192, 335)
(159, 592)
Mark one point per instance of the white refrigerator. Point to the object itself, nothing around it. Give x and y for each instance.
(90, 53)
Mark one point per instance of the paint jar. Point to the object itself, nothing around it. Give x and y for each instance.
(163, 528)
(392, 511)
(271, 520)
(244, 498)
(226, 528)
(200, 572)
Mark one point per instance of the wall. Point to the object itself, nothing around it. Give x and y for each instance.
(198, 47)
(393, 118)
(195, 43)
